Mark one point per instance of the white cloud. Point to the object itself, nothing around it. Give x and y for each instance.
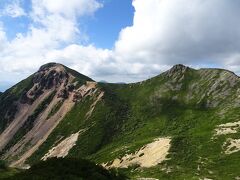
(194, 32)
(70, 8)
(164, 32)
(14, 9)
(3, 38)
(86, 59)
(54, 25)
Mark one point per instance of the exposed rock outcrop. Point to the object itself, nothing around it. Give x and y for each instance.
(148, 156)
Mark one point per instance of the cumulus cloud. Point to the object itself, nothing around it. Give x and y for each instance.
(195, 32)
(164, 32)
(86, 59)
(54, 25)
(70, 8)
(3, 38)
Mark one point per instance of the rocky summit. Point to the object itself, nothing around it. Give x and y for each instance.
(181, 124)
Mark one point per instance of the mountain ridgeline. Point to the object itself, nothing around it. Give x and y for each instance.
(181, 124)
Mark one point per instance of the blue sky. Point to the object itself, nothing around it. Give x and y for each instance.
(117, 40)
(15, 25)
(103, 29)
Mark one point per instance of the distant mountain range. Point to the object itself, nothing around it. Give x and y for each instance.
(181, 124)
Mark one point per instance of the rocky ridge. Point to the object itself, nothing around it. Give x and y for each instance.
(187, 120)
(51, 82)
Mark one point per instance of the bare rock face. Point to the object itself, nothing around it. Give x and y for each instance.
(51, 80)
(63, 93)
(50, 76)
(52, 92)
(175, 77)
(177, 70)
(77, 96)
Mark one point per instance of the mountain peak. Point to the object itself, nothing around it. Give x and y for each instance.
(50, 75)
(179, 67)
(177, 70)
(51, 65)
(55, 68)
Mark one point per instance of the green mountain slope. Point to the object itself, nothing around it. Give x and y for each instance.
(173, 126)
